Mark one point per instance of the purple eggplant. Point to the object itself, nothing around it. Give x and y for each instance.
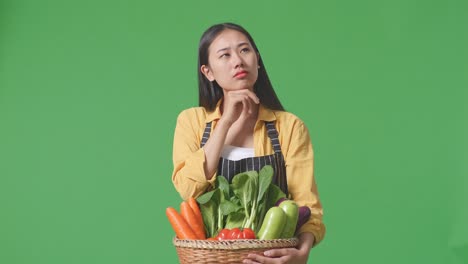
(304, 215)
(280, 201)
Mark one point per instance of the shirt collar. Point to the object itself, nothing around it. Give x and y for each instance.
(264, 113)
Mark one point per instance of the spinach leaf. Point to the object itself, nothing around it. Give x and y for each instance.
(209, 204)
(265, 177)
(274, 194)
(223, 185)
(244, 186)
(228, 207)
(235, 219)
(242, 204)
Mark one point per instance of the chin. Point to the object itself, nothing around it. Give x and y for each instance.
(237, 88)
(239, 85)
(245, 87)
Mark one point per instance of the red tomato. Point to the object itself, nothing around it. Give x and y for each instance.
(235, 233)
(248, 233)
(245, 233)
(223, 234)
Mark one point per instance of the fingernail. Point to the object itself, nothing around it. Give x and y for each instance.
(267, 253)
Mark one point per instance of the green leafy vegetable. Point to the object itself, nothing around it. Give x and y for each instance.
(209, 208)
(242, 204)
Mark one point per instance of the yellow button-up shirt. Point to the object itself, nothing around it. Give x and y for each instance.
(189, 175)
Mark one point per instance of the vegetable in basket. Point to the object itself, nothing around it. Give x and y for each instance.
(292, 212)
(235, 233)
(245, 233)
(191, 218)
(180, 226)
(241, 204)
(280, 221)
(196, 210)
(304, 213)
(189, 223)
(273, 224)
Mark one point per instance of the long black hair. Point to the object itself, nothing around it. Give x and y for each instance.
(210, 92)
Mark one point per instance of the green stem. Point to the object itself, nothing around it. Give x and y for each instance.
(220, 220)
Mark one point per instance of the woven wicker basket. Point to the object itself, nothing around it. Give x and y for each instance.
(226, 251)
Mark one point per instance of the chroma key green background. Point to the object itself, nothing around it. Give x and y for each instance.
(90, 92)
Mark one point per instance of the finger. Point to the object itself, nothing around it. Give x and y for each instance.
(249, 261)
(255, 258)
(253, 96)
(249, 93)
(245, 106)
(275, 253)
(235, 96)
(250, 104)
(239, 100)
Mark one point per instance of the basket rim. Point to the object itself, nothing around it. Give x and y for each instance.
(233, 244)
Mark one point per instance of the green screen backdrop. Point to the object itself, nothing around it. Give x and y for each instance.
(90, 92)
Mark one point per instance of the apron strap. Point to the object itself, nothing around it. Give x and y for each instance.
(206, 134)
(273, 135)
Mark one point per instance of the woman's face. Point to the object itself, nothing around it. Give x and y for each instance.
(232, 61)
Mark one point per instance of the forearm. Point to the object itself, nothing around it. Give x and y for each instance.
(188, 175)
(306, 241)
(213, 148)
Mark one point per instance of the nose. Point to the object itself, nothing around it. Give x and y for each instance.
(237, 60)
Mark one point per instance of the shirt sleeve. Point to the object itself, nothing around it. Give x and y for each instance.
(301, 180)
(188, 176)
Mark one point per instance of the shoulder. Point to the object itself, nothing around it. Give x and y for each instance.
(193, 112)
(292, 133)
(193, 117)
(288, 120)
(291, 128)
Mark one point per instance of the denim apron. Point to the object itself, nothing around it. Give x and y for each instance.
(229, 168)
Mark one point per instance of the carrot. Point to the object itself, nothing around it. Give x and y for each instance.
(180, 226)
(196, 210)
(190, 217)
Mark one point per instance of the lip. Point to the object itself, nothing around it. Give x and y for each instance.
(240, 74)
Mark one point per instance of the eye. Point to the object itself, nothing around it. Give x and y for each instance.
(244, 50)
(224, 55)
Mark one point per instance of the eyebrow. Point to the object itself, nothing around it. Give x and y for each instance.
(240, 44)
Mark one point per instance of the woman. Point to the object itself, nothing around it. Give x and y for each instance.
(240, 126)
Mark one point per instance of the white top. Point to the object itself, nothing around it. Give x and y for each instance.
(236, 153)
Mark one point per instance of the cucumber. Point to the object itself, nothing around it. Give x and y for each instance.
(291, 211)
(273, 224)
